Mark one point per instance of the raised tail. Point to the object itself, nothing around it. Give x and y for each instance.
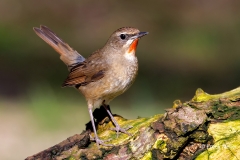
(67, 54)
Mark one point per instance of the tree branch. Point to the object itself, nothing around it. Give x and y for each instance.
(189, 130)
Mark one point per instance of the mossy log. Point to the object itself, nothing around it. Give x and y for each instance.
(206, 127)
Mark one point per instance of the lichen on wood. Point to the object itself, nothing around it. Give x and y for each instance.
(206, 127)
(226, 145)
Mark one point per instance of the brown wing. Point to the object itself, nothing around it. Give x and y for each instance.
(86, 72)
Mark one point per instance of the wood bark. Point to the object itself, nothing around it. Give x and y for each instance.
(206, 127)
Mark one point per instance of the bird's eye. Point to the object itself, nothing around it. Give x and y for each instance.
(122, 36)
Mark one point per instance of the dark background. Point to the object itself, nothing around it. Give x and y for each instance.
(192, 44)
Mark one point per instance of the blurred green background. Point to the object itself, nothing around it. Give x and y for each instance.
(192, 44)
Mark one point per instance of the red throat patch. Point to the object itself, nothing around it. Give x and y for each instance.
(133, 46)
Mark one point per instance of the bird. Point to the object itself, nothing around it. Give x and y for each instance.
(105, 74)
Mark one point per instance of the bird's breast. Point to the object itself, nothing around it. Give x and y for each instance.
(121, 77)
(118, 77)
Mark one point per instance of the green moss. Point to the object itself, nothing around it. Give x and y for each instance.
(147, 156)
(71, 158)
(199, 136)
(224, 112)
(201, 96)
(160, 144)
(226, 141)
(105, 133)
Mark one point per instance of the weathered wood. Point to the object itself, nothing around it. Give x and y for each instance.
(207, 127)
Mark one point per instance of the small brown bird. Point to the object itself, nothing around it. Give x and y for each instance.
(105, 74)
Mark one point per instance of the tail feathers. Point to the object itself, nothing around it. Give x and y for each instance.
(67, 54)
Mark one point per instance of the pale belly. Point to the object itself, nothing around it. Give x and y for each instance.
(113, 84)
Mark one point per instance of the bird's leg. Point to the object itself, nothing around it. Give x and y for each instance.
(117, 126)
(98, 141)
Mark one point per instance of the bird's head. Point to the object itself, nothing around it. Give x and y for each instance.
(125, 40)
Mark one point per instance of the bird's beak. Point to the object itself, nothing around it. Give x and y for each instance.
(139, 35)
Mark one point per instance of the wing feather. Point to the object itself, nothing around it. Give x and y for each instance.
(86, 72)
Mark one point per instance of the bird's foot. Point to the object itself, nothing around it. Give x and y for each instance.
(117, 127)
(123, 130)
(101, 142)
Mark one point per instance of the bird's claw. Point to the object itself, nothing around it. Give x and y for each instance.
(101, 142)
(123, 130)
